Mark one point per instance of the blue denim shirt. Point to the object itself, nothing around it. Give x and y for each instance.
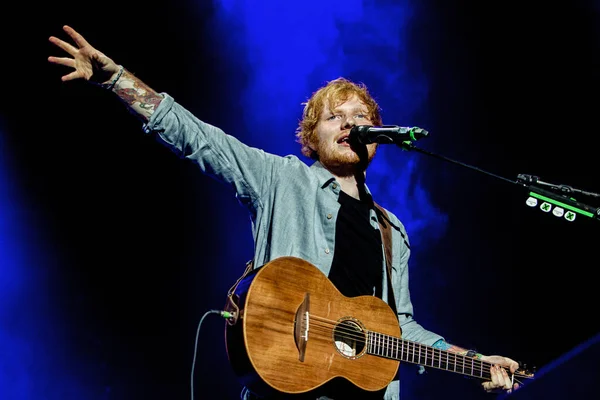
(283, 192)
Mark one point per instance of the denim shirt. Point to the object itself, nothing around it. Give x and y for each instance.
(283, 192)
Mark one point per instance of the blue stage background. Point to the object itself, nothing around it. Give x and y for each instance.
(112, 248)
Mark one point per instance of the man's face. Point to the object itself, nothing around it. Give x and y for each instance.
(331, 134)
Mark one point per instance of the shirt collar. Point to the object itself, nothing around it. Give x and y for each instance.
(325, 177)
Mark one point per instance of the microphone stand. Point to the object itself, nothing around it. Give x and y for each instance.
(554, 198)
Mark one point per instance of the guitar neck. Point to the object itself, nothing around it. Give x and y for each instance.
(395, 348)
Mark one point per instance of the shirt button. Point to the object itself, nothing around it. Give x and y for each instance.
(334, 186)
(329, 216)
(326, 251)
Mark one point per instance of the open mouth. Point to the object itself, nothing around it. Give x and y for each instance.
(343, 139)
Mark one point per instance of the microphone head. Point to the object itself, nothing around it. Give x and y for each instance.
(385, 134)
(359, 134)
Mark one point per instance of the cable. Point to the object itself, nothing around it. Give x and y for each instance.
(224, 314)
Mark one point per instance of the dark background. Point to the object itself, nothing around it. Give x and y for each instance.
(138, 245)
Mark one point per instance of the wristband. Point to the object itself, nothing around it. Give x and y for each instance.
(111, 85)
(474, 354)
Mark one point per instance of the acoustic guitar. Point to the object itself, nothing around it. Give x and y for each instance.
(293, 331)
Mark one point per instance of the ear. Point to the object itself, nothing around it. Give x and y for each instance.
(312, 142)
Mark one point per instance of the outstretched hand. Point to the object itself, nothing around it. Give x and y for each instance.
(501, 381)
(87, 62)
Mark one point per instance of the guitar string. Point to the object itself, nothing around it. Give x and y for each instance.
(472, 365)
(438, 355)
(351, 333)
(434, 355)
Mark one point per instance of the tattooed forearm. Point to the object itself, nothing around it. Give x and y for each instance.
(139, 97)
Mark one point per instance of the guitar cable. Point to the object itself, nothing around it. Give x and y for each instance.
(225, 314)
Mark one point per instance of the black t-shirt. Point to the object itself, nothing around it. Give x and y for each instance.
(356, 269)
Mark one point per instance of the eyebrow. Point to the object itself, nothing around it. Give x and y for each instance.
(353, 110)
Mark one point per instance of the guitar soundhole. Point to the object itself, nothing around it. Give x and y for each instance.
(349, 338)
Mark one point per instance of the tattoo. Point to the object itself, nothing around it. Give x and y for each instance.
(443, 345)
(139, 97)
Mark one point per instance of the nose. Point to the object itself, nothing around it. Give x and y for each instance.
(349, 122)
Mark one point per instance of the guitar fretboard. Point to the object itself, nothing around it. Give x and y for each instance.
(387, 346)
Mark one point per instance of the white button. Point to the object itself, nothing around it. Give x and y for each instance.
(326, 251)
(329, 216)
(334, 186)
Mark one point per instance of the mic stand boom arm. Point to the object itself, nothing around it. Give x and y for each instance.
(533, 185)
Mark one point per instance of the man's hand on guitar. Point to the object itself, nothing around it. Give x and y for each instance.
(501, 380)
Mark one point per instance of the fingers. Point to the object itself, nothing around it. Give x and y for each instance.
(487, 386)
(499, 380)
(67, 62)
(73, 75)
(77, 38)
(509, 363)
(505, 380)
(63, 45)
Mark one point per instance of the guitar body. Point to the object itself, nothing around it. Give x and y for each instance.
(296, 332)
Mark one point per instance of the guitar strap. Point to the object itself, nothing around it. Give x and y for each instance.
(386, 233)
(232, 300)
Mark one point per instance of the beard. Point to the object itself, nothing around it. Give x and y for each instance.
(344, 161)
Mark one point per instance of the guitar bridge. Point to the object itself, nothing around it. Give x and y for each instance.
(301, 326)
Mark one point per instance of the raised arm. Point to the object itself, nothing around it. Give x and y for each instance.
(95, 67)
(249, 170)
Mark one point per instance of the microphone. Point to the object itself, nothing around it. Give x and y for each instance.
(386, 134)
